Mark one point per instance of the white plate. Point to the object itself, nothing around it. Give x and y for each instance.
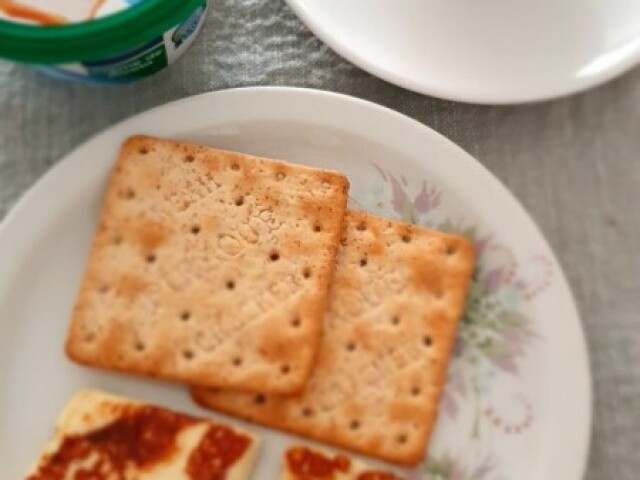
(513, 407)
(482, 51)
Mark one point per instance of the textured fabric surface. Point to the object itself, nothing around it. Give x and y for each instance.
(574, 163)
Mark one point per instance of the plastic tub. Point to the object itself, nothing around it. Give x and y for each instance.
(125, 46)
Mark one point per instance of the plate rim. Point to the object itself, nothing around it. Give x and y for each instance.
(350, 54)
(584, 429)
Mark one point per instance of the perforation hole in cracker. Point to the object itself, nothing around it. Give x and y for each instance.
(188, 354)
(128, 193)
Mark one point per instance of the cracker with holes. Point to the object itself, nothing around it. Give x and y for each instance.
(209, 267)
(397, 295)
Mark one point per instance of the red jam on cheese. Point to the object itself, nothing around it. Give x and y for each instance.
(373, 475)
(218, 450)
(141, 438)
(309, 464)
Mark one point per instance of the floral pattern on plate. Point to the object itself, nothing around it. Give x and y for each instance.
(494, 335)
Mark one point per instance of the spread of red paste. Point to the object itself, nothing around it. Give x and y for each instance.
(218, 450)
(307, 464)
(141, 437)
(373, 475)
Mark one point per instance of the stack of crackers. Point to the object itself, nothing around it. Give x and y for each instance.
(251, 281)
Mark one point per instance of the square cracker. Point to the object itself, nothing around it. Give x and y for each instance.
(209, 267)
(99, 435)
(397, 295)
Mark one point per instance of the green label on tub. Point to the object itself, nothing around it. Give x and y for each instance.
(146, 61)
(140, 62)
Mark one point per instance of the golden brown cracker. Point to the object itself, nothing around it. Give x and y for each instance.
(397, 295)
(209, 267)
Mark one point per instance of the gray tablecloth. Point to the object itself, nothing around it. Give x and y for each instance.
(574, 163)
